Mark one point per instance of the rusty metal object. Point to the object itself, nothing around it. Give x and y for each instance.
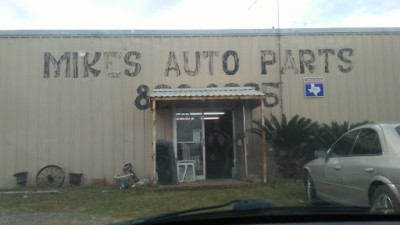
(50, 176)
(264, 144)
(154, 156)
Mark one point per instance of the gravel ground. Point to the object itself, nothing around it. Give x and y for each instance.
(45, 218)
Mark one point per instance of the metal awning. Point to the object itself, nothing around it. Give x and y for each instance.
(203, 96)
(223, 93)
(232, 94)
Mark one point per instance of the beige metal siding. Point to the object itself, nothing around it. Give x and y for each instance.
(91, 124)
(367, 92)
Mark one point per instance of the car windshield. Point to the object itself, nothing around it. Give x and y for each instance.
(118, 110)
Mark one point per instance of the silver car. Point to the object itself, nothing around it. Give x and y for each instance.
(361, 168)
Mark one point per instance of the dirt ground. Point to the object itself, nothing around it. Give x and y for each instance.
(47, 218)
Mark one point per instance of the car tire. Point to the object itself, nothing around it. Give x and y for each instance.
(384, 200)
(310, 189)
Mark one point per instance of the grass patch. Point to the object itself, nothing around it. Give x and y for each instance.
(134, 203)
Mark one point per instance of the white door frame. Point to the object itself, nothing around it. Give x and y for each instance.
(201, 110)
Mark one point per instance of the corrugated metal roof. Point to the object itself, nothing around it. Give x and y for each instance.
(206, 92)
(197, 33)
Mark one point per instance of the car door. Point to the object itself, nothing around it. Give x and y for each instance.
(332, 187)
(361, 166)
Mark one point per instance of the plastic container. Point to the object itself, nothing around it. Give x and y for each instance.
(123, 186)
(21, 178)
(75, 178)
(100, 182)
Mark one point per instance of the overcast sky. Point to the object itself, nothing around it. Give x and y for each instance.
(196, 14)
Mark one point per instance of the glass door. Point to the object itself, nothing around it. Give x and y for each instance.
(190, 140)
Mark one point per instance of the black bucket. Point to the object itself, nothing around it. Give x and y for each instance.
(21, 178)
(75, 178)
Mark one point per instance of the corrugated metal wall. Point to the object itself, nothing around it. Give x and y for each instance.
(93, 118)
(367, 92)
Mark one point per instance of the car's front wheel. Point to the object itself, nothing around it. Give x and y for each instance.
(310, 189)
(384, 200)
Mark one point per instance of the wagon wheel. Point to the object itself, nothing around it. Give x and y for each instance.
(50, 176)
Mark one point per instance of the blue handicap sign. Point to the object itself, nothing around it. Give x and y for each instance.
(314, 90)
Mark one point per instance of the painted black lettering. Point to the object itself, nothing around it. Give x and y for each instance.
(306, 62)
(162, 86)
(172, 64)
(186, 64)
(225, 58)
(253, 85)
(108, 60)
(183, 86)
(270, 95)
(345, 60)
(289, 63)
(75, 64)
(267, 58)
(49, 58)
(231, 85)
(142, 101)
(210, 55)
(326, 52)
(136, 65)
(108, 56)
(88, 66)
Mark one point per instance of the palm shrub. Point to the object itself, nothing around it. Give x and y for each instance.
(325, 135)
(288, 138)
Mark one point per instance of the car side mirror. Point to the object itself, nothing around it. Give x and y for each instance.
(320, 153)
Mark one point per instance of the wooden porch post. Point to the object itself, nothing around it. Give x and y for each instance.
(154, 156)
(264, 144)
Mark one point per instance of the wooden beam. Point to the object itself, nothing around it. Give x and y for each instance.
(154, 155)
(264, 144)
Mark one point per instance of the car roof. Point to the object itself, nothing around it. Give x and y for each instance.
(389, 125)
(383, 126)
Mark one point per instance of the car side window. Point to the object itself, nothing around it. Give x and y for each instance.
(367, 143)
(344, 145)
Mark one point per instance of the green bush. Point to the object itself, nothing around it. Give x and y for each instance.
(325, 135)
(288, 138)
(294, 142)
